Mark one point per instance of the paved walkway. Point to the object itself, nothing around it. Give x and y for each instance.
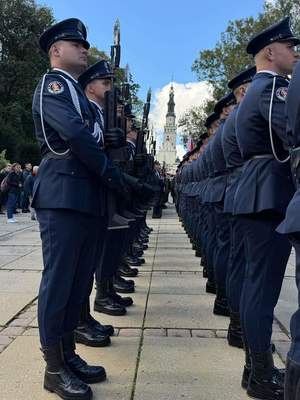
(169, 346)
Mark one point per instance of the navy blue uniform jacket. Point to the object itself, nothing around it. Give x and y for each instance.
(265, 184)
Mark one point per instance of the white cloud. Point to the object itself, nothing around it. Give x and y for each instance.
(186, 95)
(180, 150)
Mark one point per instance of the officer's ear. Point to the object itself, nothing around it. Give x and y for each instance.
(269, 53)
(54, 50)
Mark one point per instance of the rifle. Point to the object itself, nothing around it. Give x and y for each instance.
(144, 128)
(116, 221)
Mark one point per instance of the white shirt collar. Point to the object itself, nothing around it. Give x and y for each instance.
(267, 71)
(65, 72)
(130, 141)
(97, 105)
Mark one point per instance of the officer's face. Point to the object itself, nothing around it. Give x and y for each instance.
(284, 55)
(100, 87)
(213, 127)
(70, 55)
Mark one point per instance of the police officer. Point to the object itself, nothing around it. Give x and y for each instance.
(70, 220)
(236, 261)
(218, 185)
(291, 227)
(207, 232)
(96, 81)
(260, 202)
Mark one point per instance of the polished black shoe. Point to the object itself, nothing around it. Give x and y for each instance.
(88, 335)
(123, 286)
(123, 301)
(60, 379)
(104, 303)
(85, 317)
(127, 272)
(198, 253)
(83, 371)
(108, 306)
(204, 272)
(86, 373)
(211, 287)
(234, 335)
(221, 305)
(245, 377)
(292, 381)
(134, 261)
(266, 382)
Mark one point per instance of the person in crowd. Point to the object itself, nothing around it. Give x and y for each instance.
(14, 185)
(28, 189)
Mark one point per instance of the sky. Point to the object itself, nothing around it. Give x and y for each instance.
(160, 39)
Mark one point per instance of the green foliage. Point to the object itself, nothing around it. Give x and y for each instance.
(3, 160)
(21, 66)
(229, 57)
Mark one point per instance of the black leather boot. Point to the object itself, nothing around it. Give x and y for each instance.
(122, 285)
(210, 287)
(60, 379)
(266, 382)
(86, 373)
(292, 381)
(87, 332)
(104, 330)
(221, 304)
(104, 303)
(128, 272)
(247, 368)
(234, 335)
(134, 261)
(123, 301)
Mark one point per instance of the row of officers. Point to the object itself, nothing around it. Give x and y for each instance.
(91, 196)
(238, 196)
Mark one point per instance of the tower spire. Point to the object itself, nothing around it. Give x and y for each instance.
(171, 103)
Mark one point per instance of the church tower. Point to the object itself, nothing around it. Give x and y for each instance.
(167, 153)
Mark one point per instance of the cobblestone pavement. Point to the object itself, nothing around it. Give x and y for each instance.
(169, 346)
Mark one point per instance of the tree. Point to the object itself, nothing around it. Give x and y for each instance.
(22, 64)
(228, 57)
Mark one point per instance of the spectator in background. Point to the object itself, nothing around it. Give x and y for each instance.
(14, 182)
(24, 197)
(3, 196)
(28, 189)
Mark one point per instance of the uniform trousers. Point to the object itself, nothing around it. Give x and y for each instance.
(236, 265)
(266, 255)
(222, 248)
(69, 251)
(210, 242)
(294, 352)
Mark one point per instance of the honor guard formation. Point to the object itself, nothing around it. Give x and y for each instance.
(237, 195)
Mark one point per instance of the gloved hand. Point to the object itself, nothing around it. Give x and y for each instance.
(114, 138)
(142, 190)
(114, 180)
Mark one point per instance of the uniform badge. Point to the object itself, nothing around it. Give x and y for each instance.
(281, 93)
(55, 87)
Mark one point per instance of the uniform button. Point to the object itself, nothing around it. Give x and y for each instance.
(72, 172)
